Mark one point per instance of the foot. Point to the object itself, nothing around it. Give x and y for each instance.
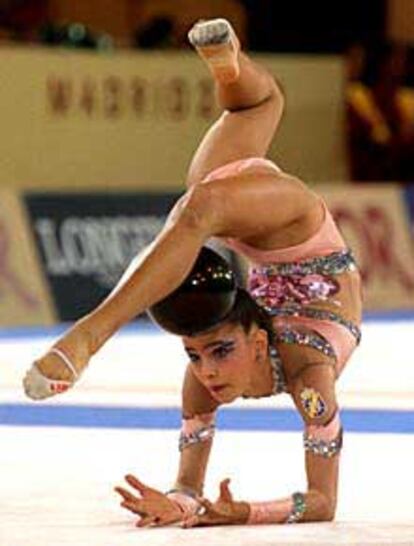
(217, 43)
(59, 368)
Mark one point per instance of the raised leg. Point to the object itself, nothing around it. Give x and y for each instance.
(250, 97)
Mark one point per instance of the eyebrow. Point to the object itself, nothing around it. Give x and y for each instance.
(213, 344)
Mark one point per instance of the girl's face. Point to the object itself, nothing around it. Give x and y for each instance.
(225, 360)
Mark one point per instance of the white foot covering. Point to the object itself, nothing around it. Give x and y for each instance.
(39, 387)
(213, 32)
(217, 43)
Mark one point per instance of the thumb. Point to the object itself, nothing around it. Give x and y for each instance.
(225, 494)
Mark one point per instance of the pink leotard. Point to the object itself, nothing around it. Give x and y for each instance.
(313, 284)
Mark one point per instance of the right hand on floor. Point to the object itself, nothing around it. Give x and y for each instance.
(153, 507)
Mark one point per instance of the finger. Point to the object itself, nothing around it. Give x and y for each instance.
(135, 483)
(133, 507)
(206, 504)
(146, 521)
(192, 521)
(166, 520)
(125, 494)
(199, 521)
(225, 494)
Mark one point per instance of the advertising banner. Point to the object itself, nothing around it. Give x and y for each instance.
(24, 295)
(374, 221)
(86, 241)
(81, 120)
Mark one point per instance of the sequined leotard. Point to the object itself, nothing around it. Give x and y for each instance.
(312, 289)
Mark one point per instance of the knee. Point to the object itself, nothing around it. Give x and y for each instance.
(197, 208)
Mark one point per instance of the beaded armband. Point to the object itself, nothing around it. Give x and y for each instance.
(324, 440)
(321, 447)
(299, 508)
(201, 435)
(197, 429)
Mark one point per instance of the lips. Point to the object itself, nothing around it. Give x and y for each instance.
(217, 388)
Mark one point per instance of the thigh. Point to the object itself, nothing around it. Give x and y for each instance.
(234, 136)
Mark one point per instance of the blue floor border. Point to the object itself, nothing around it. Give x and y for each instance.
(232, 419)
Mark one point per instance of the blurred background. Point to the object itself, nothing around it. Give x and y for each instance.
(102, 104)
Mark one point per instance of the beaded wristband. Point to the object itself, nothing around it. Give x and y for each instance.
(185, 500)
(200, 435)
(299, 508)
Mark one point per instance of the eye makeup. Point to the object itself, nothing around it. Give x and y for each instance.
(223, 348)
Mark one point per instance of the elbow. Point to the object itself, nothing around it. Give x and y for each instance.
(321, 507)
(329, 513)
(326, 513)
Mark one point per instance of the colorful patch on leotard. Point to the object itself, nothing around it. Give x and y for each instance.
(313, 403)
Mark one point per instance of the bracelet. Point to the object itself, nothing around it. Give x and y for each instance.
(201, 434)
(185, 499)
(299, 508)
(184, 490)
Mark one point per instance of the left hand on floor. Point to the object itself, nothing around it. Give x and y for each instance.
(225, 511)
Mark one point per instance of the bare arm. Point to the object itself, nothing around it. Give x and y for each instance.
(314, 395)
(313, 392)
(197, 401)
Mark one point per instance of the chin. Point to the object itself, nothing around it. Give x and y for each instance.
(227, 396)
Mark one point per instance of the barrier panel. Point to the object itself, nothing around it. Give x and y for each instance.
(86, 241)
(78, 120)
(374, 221)
(24, 294)
(409, 202)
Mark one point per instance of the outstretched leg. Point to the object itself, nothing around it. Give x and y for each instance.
(250, 97)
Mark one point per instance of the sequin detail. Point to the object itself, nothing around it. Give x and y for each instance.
(331, 264)
(279, 381)
(286, 289)
(299, 508)
(300, 282)
(322, 447)
(310, 339)
(201, 435)
(318, 314)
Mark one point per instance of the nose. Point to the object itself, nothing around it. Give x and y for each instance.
(209, 369)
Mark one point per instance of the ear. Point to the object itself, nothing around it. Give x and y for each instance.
(261, 343)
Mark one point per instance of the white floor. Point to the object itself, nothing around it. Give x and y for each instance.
(57, 487)
(57, 483)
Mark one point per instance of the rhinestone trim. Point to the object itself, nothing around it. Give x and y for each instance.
(201, 435)
(299, 508)
(309, 339)
(279, 381)
(332, 264)
(318, 314)
(321, 447)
